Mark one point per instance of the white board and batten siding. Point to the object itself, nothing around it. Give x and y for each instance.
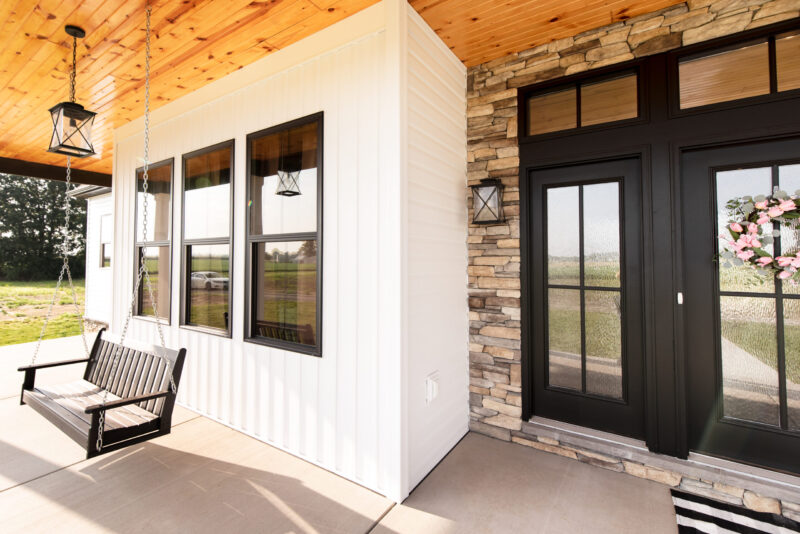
(437, 250)
(344, 411)
(99, 230)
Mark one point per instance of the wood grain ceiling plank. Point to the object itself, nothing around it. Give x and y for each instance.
(26, 41)
(52, 73)
(335, 12)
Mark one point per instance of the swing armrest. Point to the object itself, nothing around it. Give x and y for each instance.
(124, 402)
(51, 364)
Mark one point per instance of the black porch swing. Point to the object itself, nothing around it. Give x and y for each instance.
(128, 390)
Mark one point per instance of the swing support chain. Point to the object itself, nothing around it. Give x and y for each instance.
(64, 270)
(143, 272)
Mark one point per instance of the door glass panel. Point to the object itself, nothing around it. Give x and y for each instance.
(564, 339)
(730, 185)
(563, 236)
(725, 76)
(787, 55)
(604, 343)
(601, 235)
(749, 359)
(609, 100)
(552, 112)
(791, 321)
(585, 324)
(789, 180)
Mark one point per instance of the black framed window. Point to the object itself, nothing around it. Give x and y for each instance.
(751, 69)
(106, 230)
(156, 243)
(284, 235)
(598, 100)
(207, 223)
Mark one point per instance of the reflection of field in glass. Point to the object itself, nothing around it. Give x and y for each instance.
(209, 304)
(564, 313)
(290, 294)
(160, 288)
(596, 272)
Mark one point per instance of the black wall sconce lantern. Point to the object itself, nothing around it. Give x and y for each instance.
(72, 124)
(487, 202)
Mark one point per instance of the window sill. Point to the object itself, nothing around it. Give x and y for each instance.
(206, 330)
(151, 319)
(284, 345)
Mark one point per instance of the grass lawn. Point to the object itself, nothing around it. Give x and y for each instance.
(23, 306)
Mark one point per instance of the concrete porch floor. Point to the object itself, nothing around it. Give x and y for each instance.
(206, 477)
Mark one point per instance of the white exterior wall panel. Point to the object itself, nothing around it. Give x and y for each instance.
(438, 320)
(322, 409)
(393, 239)
(99, 225)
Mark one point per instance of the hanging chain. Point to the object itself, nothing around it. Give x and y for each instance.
(143, 272)
(72, 72)
(64, 270)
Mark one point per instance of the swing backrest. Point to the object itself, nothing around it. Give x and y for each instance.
(140, 370)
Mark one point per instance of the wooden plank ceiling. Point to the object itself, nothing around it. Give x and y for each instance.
(198, 41)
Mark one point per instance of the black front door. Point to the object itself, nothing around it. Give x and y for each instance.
(742, 328)
(585, 246)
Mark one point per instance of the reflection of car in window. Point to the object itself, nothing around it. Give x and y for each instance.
(209, 280)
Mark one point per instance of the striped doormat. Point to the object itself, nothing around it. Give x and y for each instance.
(701, 514)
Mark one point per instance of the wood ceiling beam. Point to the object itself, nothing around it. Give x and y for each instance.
(52, 172)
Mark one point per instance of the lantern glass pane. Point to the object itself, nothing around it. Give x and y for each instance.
(72, 130)
(486, 204)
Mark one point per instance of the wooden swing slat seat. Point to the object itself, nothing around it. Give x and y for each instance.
(137, 398)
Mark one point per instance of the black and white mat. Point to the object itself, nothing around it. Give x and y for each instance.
(701, 514)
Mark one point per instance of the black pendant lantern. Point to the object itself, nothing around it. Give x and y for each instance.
(72, 124)
(289, 173)
(487, 202)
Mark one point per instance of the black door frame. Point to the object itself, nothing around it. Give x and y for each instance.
(658, 138)
(622, 416)
(728, 438)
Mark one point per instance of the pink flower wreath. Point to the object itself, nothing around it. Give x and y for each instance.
(751, 228)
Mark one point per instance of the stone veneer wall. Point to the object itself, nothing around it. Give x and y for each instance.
(493, 152)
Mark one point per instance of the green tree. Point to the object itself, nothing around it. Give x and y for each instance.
(31, 217)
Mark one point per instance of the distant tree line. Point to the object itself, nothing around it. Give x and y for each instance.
(31, 217)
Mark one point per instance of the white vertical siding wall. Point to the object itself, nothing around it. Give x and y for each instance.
(438, 320)
(325, 410)
(98, 280)
(394, 249)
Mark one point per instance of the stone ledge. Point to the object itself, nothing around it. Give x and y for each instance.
(719, 474)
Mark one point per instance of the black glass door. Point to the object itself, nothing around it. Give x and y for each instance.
(742, 327)
(586, 293)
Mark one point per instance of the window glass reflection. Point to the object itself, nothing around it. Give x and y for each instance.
(283, 181)
(601, 238)
(158, 262)
(563, 236)
(208, 285)
(787, 57)
(285, 278)
(207, 195)
(724, 76)
(552, 112)
(735, 184)
(159, 180)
